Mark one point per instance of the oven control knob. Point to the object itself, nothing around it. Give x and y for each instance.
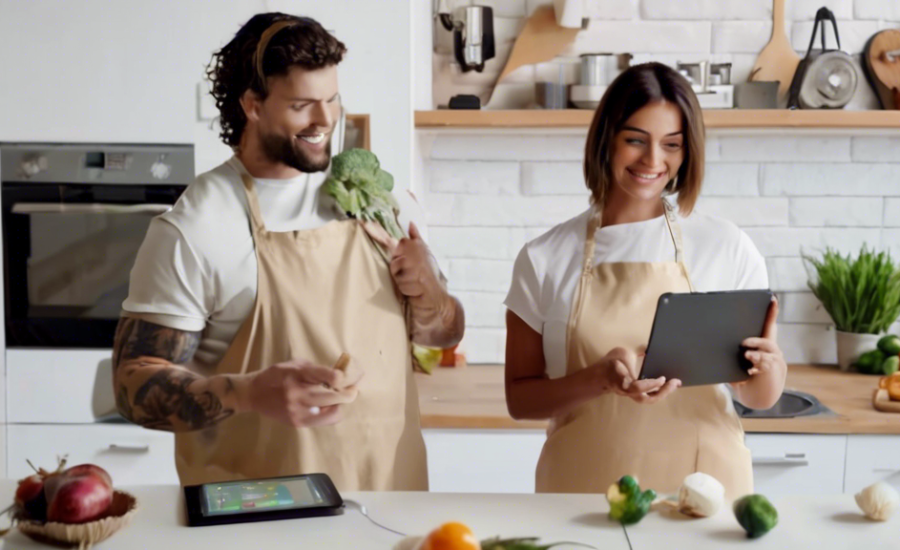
(33, 165)
(160, 170)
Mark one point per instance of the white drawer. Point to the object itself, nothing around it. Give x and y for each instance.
(872, 458)
(483, 461)
(58, 386)
(797, 464)
(132, 455)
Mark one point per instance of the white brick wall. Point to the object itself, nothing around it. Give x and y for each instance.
(487, 195)
(877, 9)
(837, 212)
(800, 10)
(853, 35)
(706, 9)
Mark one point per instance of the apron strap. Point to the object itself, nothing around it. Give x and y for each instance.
(674, 228)
(256, 219)
(675, 233)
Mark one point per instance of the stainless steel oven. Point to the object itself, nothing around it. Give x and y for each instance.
(73, 218)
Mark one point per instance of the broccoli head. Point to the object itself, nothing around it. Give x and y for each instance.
(362, 189)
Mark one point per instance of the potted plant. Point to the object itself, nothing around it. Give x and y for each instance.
(861, 295)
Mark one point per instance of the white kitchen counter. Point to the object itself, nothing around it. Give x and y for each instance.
(159, 523)
(819, 523)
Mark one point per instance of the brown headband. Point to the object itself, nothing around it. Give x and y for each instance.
(263, 44)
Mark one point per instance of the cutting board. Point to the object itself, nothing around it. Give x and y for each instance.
(882, 402)
(778, 60)
(882, 70)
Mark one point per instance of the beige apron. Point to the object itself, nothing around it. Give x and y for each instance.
(321, 292)
(693, 430)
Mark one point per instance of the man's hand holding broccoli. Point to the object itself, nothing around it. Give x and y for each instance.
(363, 191)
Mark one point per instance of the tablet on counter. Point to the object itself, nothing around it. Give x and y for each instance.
(307, 495)
(697, 337)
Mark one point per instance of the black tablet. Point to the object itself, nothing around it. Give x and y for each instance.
(262, 500)
(697, 337)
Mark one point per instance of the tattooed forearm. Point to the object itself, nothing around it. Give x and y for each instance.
(153, 390)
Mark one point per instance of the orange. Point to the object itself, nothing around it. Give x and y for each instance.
(451, 536)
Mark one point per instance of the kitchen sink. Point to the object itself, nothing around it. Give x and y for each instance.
(791, 404)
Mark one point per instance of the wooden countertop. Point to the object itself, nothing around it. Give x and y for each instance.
(474, 398)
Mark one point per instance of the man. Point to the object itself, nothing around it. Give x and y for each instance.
(253, 280)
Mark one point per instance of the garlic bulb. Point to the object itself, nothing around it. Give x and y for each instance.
(701, 495)
(878, 501)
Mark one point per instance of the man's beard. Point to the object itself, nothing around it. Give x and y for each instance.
(285, 151)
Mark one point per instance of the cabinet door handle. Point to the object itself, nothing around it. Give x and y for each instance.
(129, 447)
(886, 470)
(789, 459)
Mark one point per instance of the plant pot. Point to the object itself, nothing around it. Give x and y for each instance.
(850, 345)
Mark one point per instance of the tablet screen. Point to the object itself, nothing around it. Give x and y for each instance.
(241, 497)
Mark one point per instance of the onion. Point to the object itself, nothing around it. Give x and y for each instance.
(75, 495)
(77, 499)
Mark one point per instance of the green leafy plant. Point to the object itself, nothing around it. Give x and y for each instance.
(861, 294)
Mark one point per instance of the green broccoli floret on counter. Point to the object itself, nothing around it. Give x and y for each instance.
(627, 503)
(363, 190)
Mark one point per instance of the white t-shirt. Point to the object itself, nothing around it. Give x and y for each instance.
(719, 256)
(196, 269)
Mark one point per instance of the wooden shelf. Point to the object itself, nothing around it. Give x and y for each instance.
(724, 118)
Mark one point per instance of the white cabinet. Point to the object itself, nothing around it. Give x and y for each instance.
(792, 464)
(59, 386)
(132, 455)
(872, 458)
(483, 461)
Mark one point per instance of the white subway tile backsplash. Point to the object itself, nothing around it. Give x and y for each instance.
(890, 239)
(877, 9)
(479, 275)
(486, 243)
(805, 10)
(832, 180)
(854, 35)
(801, 307)
(642, 37)
(786, 148)
(612, 9)
(525, 147)
(474, 178)
(553, 178)
(747, 212)
(791, 241)
(836, 212)
(483, 309)
(713, 149)
(706, 9)
(876, 149)
(504, 8)
(787, 274)
(485, 345)
(807, 343)
(487, 211)
(731, 180)
(892, 212)
(740, 36)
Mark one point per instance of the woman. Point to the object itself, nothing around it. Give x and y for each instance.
(584, 295)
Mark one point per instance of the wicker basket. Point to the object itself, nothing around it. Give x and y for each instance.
(84, 535)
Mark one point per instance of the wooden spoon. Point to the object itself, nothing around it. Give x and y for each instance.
(886, 64)
(778, 60)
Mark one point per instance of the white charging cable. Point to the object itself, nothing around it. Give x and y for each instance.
(365, 513)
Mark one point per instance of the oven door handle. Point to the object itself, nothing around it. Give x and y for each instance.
(88, 208)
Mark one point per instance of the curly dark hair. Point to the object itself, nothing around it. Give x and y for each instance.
(299, 41)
